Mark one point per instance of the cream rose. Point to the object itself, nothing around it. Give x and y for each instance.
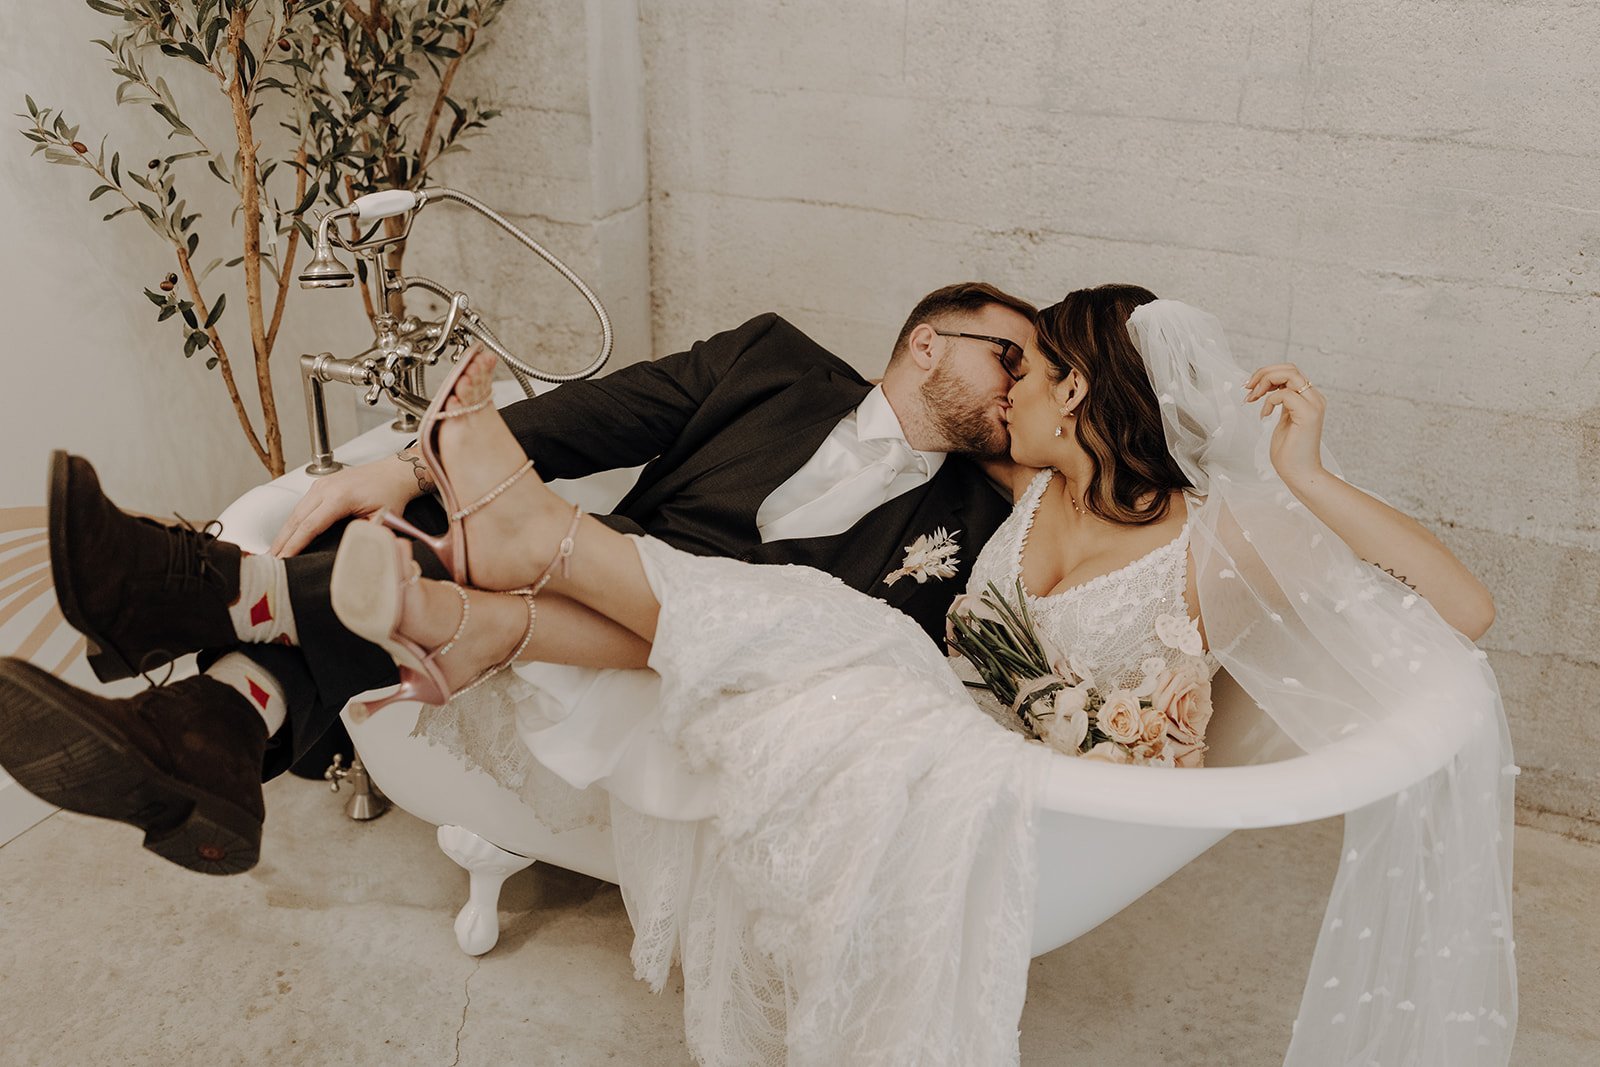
(1149, 751)
(1119, 717)
(1108, 752)
(1183, 698)
(1152, 724)
(1186, 755)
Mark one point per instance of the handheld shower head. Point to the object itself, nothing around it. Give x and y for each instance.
(325, 271)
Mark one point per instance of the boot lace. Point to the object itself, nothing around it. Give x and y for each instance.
(189, 553)
(188, 564)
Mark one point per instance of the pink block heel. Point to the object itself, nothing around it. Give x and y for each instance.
(371, 574)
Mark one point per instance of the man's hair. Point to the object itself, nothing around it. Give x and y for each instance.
(938, 305)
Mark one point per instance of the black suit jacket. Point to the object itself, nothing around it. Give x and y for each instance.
(723, 425)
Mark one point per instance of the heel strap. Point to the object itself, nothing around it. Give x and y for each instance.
(563, 556)
(527, 636)
(461, 627)
(465, 409)
(485, 499)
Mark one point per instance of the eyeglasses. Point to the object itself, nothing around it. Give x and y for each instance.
(1010, 354)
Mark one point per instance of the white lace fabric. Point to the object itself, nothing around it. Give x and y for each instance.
(864, 892)
(480, 728)
(1108, 623)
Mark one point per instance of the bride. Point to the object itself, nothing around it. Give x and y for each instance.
(862, 891)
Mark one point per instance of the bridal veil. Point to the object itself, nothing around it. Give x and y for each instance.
(1414, 964)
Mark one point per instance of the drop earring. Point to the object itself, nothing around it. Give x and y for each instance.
(1065, 414)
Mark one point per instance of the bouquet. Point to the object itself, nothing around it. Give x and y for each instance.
(1161, 721)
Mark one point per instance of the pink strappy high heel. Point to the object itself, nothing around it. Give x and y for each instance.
(371, 573)
(451, 547)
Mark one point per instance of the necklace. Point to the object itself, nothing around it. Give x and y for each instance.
(1066, 487)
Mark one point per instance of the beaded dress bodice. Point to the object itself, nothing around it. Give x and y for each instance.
(1108, 623)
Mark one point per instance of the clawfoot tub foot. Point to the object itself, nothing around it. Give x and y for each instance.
(487, 866)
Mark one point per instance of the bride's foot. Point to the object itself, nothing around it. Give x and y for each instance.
(507, 522)
(443, 638)
(431, 613)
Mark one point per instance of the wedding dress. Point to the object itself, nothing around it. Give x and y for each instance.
(863, 891)
(857, 886)
(844, 863)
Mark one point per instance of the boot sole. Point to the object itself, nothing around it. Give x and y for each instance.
(76, 761)
(105, 659)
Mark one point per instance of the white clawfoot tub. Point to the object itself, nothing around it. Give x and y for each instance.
(1106, 834)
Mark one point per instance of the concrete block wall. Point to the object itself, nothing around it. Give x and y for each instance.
(565, 161)
(1396, 195)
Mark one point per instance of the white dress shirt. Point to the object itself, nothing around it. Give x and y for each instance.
(864, 462)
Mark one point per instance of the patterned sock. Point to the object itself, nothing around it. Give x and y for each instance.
(261, 689)
(263, 613)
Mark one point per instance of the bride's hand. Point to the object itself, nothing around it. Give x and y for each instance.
(1297, 439)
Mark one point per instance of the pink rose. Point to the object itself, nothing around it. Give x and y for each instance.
(1152, 724)
(1119, 718)
(1152, 740)
(1183, 697)
(1187, 755)
(1108, 752)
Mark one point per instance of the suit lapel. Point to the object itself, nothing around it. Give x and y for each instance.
(784, 432)
(939, 506)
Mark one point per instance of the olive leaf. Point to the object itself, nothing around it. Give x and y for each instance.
(362, 88)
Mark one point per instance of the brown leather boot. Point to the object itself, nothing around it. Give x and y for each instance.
(181, 762)
(142, 592)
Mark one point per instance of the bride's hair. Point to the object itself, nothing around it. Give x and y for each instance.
(1118, 422)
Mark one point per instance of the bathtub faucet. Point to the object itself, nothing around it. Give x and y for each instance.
(366, 802)
(403, 348)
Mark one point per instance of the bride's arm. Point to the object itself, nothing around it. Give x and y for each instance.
(1384, 537)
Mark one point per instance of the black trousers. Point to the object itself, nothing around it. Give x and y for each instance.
(332, 664)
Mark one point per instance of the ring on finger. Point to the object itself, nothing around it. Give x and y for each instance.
(1303, 388)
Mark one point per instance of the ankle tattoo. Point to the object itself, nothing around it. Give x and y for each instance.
(413, 456)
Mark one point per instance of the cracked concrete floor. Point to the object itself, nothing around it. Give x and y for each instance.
(338, 949)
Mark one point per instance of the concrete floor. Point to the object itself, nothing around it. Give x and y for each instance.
(338, 949)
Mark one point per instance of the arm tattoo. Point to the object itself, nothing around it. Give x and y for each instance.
(1402, 579)
(413, 456)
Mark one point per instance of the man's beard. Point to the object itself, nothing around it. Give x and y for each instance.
(963, 418)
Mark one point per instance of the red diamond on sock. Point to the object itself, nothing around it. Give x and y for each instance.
(260, 612)
(258, 694)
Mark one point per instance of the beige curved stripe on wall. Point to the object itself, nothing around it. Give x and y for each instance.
(31, 626)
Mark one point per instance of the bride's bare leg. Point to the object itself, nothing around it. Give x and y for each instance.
(514, 537)
(565, 631)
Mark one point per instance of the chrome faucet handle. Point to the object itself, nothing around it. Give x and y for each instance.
(336, 772)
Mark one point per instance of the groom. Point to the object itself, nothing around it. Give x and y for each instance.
(759, 444)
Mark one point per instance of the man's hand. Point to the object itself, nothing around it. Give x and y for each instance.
(389, 483)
